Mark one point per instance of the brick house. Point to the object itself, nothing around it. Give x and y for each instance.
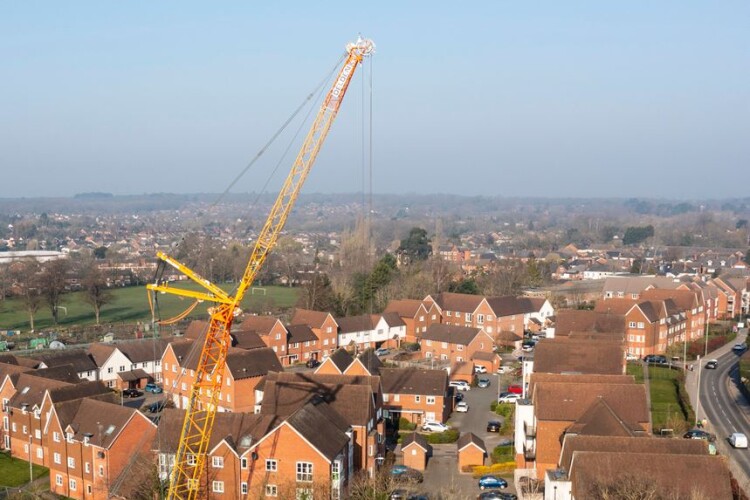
(416, 315)
(336, 363)
(415, 451)
(271, 330)
(243, 371)
(91, 443)
(324, 326)
(686, 301)
(357, 399)
(84, 366)
(471, 451)
(565, 355)
(370, 331)
(557, 408)
(494, 314)
(454, 344)
(415, 394)
(124, 362)
(302, 345)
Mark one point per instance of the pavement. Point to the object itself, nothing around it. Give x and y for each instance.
(722, 404)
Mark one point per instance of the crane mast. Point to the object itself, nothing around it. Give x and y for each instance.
(196, 428)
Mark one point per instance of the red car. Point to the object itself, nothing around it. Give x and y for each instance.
(515, 389)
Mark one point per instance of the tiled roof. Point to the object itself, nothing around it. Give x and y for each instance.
(414, 381)
(460, 302)
(262, 325)
(573, 444)
(578, 379)
(571, 355)
(692, 476)
(323, 427)
(252, 363)
(361, 323)
(601, 420)
(510, 305)
(314, 319)
(393, 319)
(63, 373)
(78, 358)
(415, 439)
(484, 356)
(300, 333)
(470, 439)
(406, 308)
(454, 334)
(683, 299)
(570, 320)
(565, 401)
(132, 375)
(100, 421)
(341, 358)
(370, 361)
(144, 350)
(100, 352)
(196, 329)
(246, 340)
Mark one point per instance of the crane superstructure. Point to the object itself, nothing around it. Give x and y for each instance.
(199, 417)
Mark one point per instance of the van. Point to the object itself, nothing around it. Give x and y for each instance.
(738, 440)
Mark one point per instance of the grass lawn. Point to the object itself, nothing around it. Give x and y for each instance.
(15, 472)
(636, 370)
(130, 304)
(670, 406)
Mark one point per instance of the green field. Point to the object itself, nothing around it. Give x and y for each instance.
(131, 304)
(636, 370)
(15, 472)
(670, 406)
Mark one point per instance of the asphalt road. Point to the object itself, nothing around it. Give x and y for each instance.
(723, 405)
(475, 420)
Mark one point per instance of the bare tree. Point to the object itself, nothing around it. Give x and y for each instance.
(95, 289)
(25, 276)
(6, 281)
(288, 253)
(52, 282)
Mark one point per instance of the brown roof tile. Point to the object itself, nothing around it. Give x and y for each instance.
(100, 421)
(415, 439)
(570, 320)
(300, 333)
(414, 381)
(470, 439)
(314, 319)
(570, 355)
(78, 358)
(458, 301)
(322, 427)
(360, 323)
(565, 401)
(454, 334)
(341, 358)
(406, 308)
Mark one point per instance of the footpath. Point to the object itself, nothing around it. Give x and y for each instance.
(691, 386)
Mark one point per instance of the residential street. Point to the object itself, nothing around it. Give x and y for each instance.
(722, 404)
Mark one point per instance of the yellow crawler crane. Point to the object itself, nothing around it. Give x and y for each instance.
(199, 417)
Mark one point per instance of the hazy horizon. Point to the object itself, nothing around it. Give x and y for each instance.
(578, 99)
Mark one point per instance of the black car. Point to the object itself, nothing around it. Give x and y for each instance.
(712, 365)
(656, 359)
(496, 495)
(698, 434)
(132, 393)
(494, 426)
(312, 363)
(459, 397)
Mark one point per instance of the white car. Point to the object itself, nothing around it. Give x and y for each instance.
(459, 385)
(434, 427)
(631, 357)
(508, 398)
(504, 369)
(480, 369)
(462, 407)
(738, 440)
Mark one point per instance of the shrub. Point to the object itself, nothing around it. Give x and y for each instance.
(405, 425)
(499, 469)
(493, 406)
(502, 454)
(449, 436)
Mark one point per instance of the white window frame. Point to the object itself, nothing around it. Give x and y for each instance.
(430, 400)
(304, 472)
(272, 465)
(272, 490)
(217, 462)
(217, 486)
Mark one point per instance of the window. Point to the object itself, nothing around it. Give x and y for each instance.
(631, 324)
(396, 397)
(243, 462)
(335, 470)
(25, 430)
(87, 467)
(445, 345)
(468, 316)
(433, 316)
(38, 434)
(88, 489)
(174, 368)
(13, 426)
(101, 471)
(459, 347)
(271, 465)
(110, 370)
(386, 398)
(417, 399)
(305, 471)
(307, 343)
(229, 398)
(274, 349)
(26, 448)
(641, 325)
(480, 319)
(217, 462)
(71, 462)
(448, 313)
(56, 458)
(73, 485)
(429, 342)
(329, 329)
(243, 488)
(278, 336)
(217, 486)
(191, 459)
(325, 341)
(271, 490)
(430, 400)
(184, 387)
(58, 480)
(296, 345)
(122, 368)
(40, 452)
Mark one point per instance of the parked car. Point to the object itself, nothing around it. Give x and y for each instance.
(156, 407)
(462, 407)
(496, 495)
(631, 357)
(459, 385)
(483, 382)
(404, 473)
(655, 359)
(480, 369)
(490, 481)
(515, 389)
(494, 426)
(508, 397)
(434, 427)
(739, 347)
(132, 393)
(312, 363)
(504, 369)
(712, 364)
(738, 440)
(698, 434)
(382, 351)
(153, 388)
(459, 397)
(527, 347)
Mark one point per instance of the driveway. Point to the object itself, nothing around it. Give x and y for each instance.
(475, 420)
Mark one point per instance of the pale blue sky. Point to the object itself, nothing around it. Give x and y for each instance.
(596, 98)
